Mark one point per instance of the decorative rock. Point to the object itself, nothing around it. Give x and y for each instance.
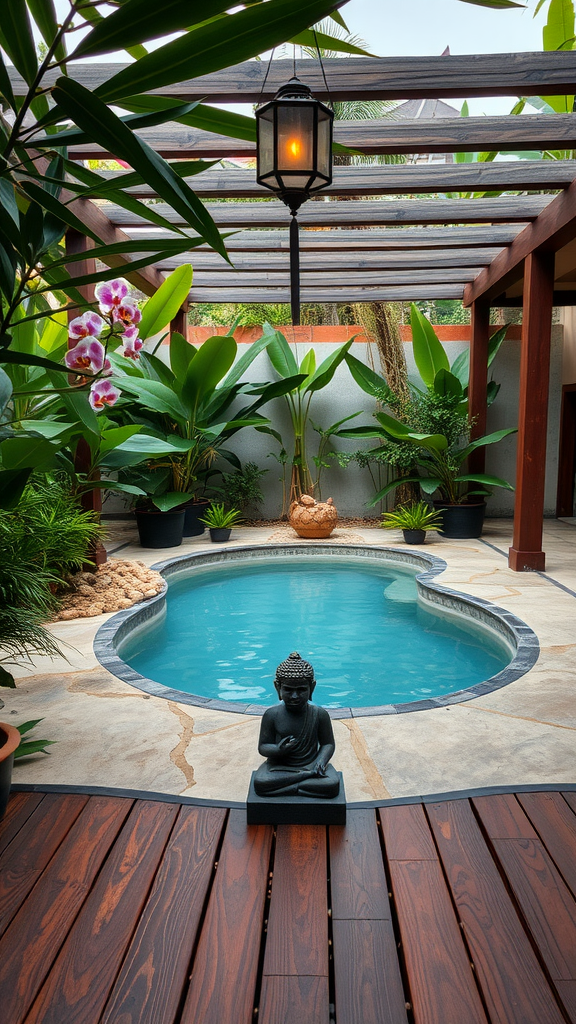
(116, 585)
(313, 519)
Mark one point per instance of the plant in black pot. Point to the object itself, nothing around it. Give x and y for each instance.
(427, 440)
(220, 521)
(414, 520)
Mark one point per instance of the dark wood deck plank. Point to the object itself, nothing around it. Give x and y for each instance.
(20, 807)
(154, 973)
(36, 933)
(367, 973)
(357, 880)
(294, 1000)
(297, 938)
(553, 817)
(503, 817)
(442, 986)
(26, 857)
(79, 984)
(223, 980)
(513, 984)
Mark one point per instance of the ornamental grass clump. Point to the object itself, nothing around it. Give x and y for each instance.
(219, 518)
(416, 516)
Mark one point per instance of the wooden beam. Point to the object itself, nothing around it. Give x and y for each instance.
(490, 74)
(262, 279)
(435, 135)
(559, 298)
(526, 551)
(553, 228)
(393, 293)
(319, 213)
(279, 262)
(358, 240)
(478, 379)
(396, 179)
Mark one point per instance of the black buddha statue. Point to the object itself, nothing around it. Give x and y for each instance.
(296, 738)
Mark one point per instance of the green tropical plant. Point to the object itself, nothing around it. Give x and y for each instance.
(431, 429)
(242, 489)
(218, 517)
(190, 402)
(34, 746)
(416, 516)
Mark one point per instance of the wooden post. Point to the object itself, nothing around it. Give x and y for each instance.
(91, 501)
(477, 401)
(526, 551)
(180, 322)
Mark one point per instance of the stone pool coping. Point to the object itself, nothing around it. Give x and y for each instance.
(516, 632)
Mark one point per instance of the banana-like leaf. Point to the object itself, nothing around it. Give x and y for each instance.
(114, 436)
(248, 357)
(429, 354)
(166, 502)
(326, 42)
(181, 355)
(483, 478)
(5, 390)
(446, 384)
(210, 364)
(391, 486)
(281, 356)
(152, 394)
(325, 372)
(94, 116)
(27, 453)
(211, 46)
(162, 307)
(17, 40)
(479, 442)
(461, 365)
(370, 382)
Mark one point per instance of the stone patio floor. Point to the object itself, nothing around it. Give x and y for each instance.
(110, 734)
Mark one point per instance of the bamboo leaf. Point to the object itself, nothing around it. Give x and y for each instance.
(162, 307)
(17, 40)
(75, 137)
(327, 42)
(44, 14)
(208, 48)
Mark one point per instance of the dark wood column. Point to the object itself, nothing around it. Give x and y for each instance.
(91, 500)
(526, 551)
(180, 322)
(478, 380)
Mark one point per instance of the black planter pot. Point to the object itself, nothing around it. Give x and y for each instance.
(219, 533)
(192, 511)
(461, 522)
(160, 529)
(414, 536)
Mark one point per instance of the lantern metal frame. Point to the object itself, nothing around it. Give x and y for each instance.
(295, 94)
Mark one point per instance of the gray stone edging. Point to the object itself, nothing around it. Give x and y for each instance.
(520, 636)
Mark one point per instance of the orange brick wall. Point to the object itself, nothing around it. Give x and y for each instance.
(325, 333)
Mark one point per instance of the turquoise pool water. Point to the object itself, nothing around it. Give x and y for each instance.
(369, 639)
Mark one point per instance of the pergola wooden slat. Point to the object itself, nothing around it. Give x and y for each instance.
(373, 137)
(340, 242)
(271, 262)
(388, 78)
(392, 180)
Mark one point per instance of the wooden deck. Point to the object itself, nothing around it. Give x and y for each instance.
(142, 911)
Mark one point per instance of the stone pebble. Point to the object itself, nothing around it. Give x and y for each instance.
(116, 585)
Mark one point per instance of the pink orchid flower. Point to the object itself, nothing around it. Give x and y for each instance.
(103, 393)
(111, 294)
(85, 326)
(132, 344)
(127, 314)
(87, 357)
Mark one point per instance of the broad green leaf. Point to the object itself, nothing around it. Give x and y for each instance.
(27, 726)
(211, 46)
(308, 364)
(325, 372)
(482, 478)
(447, 384)
(17, 40)
(210, 364)
(26, 453)
(247, 358)
(479, 442)
(366, 378)
(429, 354)
(62, 212)
(309, 38)
(166, 502)
(204, 116)
(391, 486)
(77, 403)
(5, 390)
(281, 356)
(162, 307)
(558, 34)
(12, 484)
(115, 436)
(181, 355)
(152, 394)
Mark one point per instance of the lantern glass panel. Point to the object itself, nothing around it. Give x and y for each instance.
(324, 145)
(266, 142)
(295, 138)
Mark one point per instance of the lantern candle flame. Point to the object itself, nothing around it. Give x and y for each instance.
(294, 148)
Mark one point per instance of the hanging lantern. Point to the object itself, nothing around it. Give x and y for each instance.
(294, 158)
(294, 143)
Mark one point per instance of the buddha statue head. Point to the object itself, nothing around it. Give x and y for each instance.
(294, 681)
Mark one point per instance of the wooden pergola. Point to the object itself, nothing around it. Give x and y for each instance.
(389, 243)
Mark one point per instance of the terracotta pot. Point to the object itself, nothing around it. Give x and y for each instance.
(461, 522)
(313, 519)
(9, 740)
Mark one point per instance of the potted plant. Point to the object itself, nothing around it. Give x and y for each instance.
(220, 521)
(414, 520)
(427, 441)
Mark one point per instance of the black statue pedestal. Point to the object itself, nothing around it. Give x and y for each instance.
(296, 810)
